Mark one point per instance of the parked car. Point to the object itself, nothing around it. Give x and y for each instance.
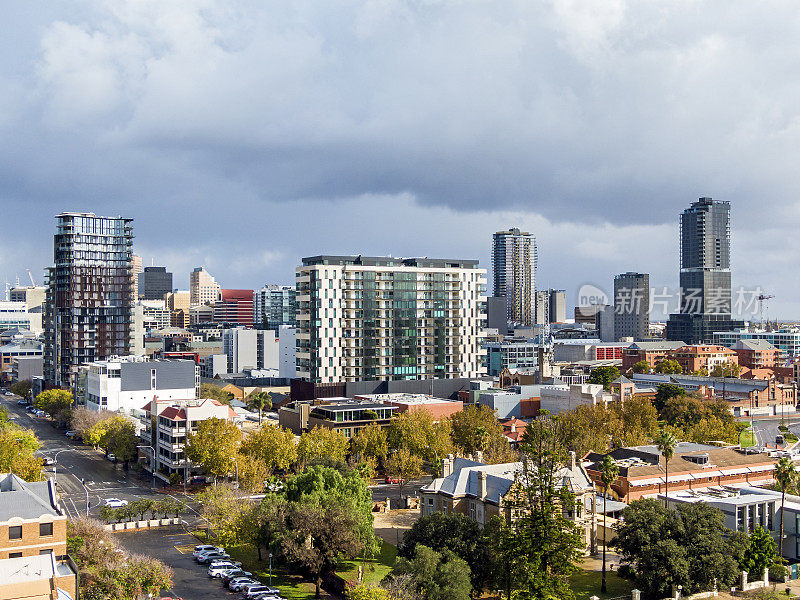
(207, 558)
(112, 457)
(69, 433)
(236, 584)
(268, 596)
(779, 439)
(247, 587)
(217, 569)
(206, 548)
(226, 576)
(395, 480)
(234, 564)
(259, 590)
(22, 402)
(114, 502)
(40, 413)
(31, 409)
(48, 461)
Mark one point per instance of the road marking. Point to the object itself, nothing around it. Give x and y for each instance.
(184, 549)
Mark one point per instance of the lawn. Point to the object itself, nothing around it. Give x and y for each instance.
(586, 584)
(293, 586)
(747, 439)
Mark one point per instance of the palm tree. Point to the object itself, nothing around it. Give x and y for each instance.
(785, 475)
(608, 475)
(666, 442)
(261, 401)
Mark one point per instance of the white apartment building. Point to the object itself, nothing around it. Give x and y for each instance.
(370, 318)
(155, 314)
(15, 315)
(562, 398)
(165, 425)
(125, 384)
(287, 350)
(203, 288)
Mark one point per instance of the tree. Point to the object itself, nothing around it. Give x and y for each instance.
(54, 402)
(641, 367)
(548, 541)
(366, 592)
(252, 471)
(458, 534)
(223, 508)
(729, 369)
(786, 476)
(214, 392)
(119, 438)
(501, 565)
(437, 575)
(405, 466)
(604, 376)
(664, 392)
(83, 419)
(668, 366)
(323, 445)
(21, 388)
(275, 446)
(318, 535)
(261, 401)
(608, 475)
(370, 442)
(18, 452)
(214, 445)
(421, 435)
(666, 442)
(476, 428)
(760, 554)
(675, 547)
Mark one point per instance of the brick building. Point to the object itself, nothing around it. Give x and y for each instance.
(756, 354)
(438, 408)
(650, 352)
(703, 356)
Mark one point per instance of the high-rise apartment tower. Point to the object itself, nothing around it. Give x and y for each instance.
(514, 269)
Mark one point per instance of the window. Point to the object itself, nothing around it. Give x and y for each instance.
(15, 555)
(46, 551)
(15, 532)
(45, 529)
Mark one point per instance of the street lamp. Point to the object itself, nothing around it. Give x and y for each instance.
(55, 463)
(152, 462)
(83, 482)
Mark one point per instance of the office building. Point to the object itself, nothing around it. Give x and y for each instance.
(372, 318)
(274, 305)
(250, 349)
(786, 340)
(155, 314)
(520, 354)
(287, 352)
(705, 274)
(604, 323)
(551, 306)
(203, 288)
(126, 384)
(514, 270)
(23, 348)
(89, 306)
(33, 297)
(15, 315)
(234, 308)
(632, 305)
(154, 283)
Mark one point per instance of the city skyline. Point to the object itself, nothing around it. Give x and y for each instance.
(169, 113)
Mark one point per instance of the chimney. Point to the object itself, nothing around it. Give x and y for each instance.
(513, 428)
(479, 456)
(447, 465)
(572, 460)
(482, 485)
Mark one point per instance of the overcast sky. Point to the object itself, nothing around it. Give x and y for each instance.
(244, 135)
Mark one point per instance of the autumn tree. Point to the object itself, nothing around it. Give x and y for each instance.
(417, 432)
(21, 388)
(214, 445)
(275, 446)
(476, 428)
(404, 466)
(214, 392)
(370, 442)
(119, 438)
(54, 402)
(322, 444)
(252, 471)
(18, 448)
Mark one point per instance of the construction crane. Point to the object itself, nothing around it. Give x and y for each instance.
(30, 275)
(761, 299)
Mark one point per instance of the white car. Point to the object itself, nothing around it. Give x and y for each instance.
(216, 570)
(115, 502)
(237, 584)
(206, 548)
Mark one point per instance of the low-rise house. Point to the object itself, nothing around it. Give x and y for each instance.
(344, 415)
(642, 469)
(482, 491)
(33, 532)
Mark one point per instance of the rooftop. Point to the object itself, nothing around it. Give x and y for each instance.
(389, 261)
(29, 569)
(403, 398)
(26, 500)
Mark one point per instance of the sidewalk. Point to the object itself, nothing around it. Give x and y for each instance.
(595, 563)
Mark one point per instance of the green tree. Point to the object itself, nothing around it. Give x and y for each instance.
(666, 442)
(548, 541)
(421, 435)
(214, 445)
(786, 476)
(261, 401)
(664, 392)
(437, 575)
(119, 438)
(21, 388)
(317, 536)
(729, 369)
(675, 547)
(760, 554)
(370, 442)
(498, 559)
(476, 428)
(214, 392)
(404, 466)
(273, 445)
(608, 475)
(323, 445)
(366, 592)
(604, 376)
(459, 534)
(18, 452)
(641, 367)
(668, 366)
(223, 508)
(54, 402)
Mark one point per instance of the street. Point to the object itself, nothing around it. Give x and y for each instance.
(766, 430)
(75, 461)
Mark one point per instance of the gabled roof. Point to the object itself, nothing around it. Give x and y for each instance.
(621, 379)
(753, 345)
(665, 345)
(26, 499)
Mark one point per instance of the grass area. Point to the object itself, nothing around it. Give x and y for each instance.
(375, 569)
(586, 584)
(747, 439)
(293, 586)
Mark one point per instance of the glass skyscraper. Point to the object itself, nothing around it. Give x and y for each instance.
(89, 301)
(705, 276)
